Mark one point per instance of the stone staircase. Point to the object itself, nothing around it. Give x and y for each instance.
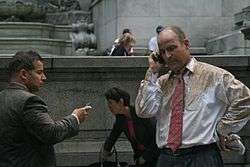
(236, 42)
(233, 43)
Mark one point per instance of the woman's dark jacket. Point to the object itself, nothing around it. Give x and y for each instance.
(119, 51)
(144, 131)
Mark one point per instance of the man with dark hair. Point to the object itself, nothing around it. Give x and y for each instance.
(196, 105)
(140, 132)
(117, 94)
(27, 132)
(152, 44)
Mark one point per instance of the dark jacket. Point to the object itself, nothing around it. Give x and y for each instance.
(27, 132)
(119, 51)
(145, 134)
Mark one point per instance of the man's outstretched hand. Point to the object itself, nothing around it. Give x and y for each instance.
(82, 113)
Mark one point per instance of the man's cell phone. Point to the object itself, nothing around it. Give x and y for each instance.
(157, 57)
(88, 105)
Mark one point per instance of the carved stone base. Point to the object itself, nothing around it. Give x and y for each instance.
(66, 18)
(22, 10)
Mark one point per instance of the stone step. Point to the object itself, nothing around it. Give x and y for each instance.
(34, 30)
(77, 153)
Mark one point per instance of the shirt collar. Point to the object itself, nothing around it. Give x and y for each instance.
(190, 67)
(17, 85)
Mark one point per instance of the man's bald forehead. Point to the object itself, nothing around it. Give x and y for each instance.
(175, 30)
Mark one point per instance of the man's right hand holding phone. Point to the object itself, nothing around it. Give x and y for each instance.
(155, 62)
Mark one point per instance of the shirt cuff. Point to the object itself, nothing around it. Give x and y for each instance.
(76, 118)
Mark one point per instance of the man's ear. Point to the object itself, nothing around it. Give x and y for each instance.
(186, 43)
(23, 74)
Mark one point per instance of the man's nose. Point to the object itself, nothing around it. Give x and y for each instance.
(44, 77)
(167, 54)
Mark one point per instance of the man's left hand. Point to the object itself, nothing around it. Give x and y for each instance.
(222, 143)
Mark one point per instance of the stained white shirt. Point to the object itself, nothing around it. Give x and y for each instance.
(215, 102)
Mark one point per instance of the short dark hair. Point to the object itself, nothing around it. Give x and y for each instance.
(117, 94)
(159, 28)
(178, 31)
(126, 30)
(23, 60)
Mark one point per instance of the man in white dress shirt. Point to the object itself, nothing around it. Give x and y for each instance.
(211, 105)
(152, 44)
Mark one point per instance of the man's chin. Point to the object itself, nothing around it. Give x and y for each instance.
(175, 68)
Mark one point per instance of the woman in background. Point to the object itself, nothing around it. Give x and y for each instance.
(125, 45)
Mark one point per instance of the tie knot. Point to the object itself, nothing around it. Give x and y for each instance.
(181, 73)
(179, 77)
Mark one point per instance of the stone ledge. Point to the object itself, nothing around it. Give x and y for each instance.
(34, 30)
(143, 51)
(54, 61)
(42, 45)
(76, 146)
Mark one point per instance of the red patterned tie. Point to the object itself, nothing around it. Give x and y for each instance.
(176, 121)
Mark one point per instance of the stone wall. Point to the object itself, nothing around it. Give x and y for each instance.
(200, 19)
(74, 81)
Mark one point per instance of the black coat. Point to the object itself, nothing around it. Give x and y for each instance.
(27, 132)
(145, 134)
(119, 50)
